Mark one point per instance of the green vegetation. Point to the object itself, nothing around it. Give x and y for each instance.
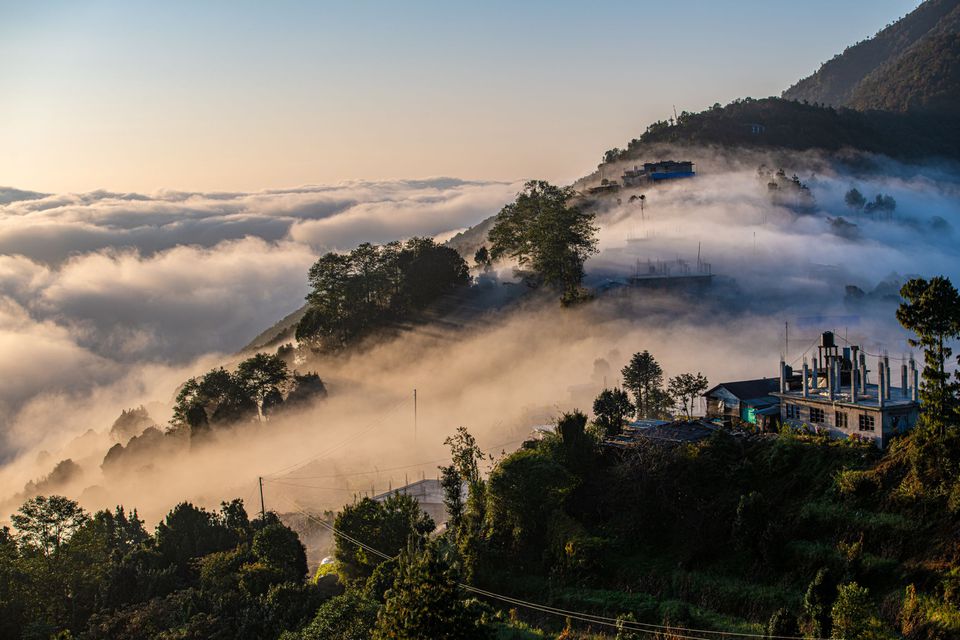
(542, 230)
(910, 65)
(355, 293)
(261, 386)
(795, 125)
(792, 535)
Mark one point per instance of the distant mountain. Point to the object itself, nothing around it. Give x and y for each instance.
(912, 65)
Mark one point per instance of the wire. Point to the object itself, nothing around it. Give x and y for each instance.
(644, 627)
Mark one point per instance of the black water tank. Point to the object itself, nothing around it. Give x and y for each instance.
(826, 339)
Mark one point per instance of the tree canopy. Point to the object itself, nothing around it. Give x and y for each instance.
(353, 293)
(544, 232)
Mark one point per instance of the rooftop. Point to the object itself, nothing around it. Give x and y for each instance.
(748, 389)
(869, 399)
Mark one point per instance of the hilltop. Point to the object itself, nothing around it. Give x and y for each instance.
(913, 65)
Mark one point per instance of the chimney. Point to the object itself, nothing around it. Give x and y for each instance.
(806, 372)
(783, 377)
(881, 384)
(887, 378)
(816, 384)
(903, 381)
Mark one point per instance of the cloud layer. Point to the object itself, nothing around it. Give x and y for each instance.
(94, 285)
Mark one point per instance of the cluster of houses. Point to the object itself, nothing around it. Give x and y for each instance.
(835, 393)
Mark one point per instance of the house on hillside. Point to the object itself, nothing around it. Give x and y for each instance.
(835, 395)
(429, 495)
(749, 401)
(653, 172)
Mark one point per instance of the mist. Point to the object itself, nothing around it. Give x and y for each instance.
(117, 327)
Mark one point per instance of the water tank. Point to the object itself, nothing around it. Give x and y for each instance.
(826, 339)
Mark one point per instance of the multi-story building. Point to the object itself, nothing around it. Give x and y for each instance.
(835, 394)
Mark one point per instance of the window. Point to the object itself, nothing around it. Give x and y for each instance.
(816, 415)
(867, 422)
(841, 419)
(793, 412)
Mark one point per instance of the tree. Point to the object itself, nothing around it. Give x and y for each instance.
(684, 390)
(385, 526)
(279, 547)
(817, 602)
(427, 601)
(644, 378)
(783, 624)
(45, 524)
(931, 310)
(851, 612)
(262, 376)
(350, 616)
(523, 491)
(482, 258)
(855, 199)
(541, 231)
(611, 409)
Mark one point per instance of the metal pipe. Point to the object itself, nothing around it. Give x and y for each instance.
(831, 377)
(806, 372)
(904, 392)
(916, 385)
(816, 383)
(853, 384)
(783, 377)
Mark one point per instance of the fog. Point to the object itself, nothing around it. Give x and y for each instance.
(114, 327)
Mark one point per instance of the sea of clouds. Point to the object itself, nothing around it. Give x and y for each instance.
(95, 286)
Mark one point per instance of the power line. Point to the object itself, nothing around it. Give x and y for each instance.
(644, 627)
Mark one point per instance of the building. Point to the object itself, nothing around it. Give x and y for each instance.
(745, 401)
(427, 492)
(653, 172)
(835, 394)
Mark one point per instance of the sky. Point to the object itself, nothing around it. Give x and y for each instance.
(135, 96)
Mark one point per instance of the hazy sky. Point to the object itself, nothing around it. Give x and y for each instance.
(249, 95)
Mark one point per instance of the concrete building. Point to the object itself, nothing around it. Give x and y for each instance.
(836, 393)
(429, 495)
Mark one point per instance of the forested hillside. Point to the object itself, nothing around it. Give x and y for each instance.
(910, 65)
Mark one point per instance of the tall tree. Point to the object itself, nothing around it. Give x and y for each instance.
(262, 376)
(931, 310)
(684, 390)
(643, 376)
(427, 601)
(611, 410)
(45, 524)
(545, 233)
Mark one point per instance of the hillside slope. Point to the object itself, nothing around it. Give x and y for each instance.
(901, 68)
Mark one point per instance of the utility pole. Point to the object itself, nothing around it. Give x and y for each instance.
(263, 512)
(414, 416)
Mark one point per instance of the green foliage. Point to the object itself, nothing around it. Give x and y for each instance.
(643, 376)
(611, 410)
(783, 624)
(931, 309)
(854, 199)
(427, 602)
(350, 616)
(385, 526)
(279, 548)
(851, 612)
(545, 233)
(523, 490)
(818, 602)
(43, 524)
(261, 385)
(372, 286)
(684, 389)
